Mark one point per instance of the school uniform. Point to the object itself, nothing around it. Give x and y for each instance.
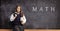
(17, 23)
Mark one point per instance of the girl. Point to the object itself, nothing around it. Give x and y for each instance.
(18, 19)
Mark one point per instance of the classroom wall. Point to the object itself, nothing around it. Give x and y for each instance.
(39, 13)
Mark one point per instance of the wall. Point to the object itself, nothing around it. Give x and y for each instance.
(39, 13)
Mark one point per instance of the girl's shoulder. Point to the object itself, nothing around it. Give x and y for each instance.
(14, 13)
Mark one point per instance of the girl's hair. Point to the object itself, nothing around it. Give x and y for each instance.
(21, 12)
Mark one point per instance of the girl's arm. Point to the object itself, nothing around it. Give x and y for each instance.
(12, 17)
(23, 19)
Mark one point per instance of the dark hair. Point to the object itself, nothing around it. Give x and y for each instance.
(21, 12)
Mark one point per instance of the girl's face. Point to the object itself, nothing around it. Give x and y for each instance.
(18, 9)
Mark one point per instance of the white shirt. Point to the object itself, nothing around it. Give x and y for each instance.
(23, 19)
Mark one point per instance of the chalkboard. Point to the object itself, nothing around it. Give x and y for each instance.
(39, 13)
